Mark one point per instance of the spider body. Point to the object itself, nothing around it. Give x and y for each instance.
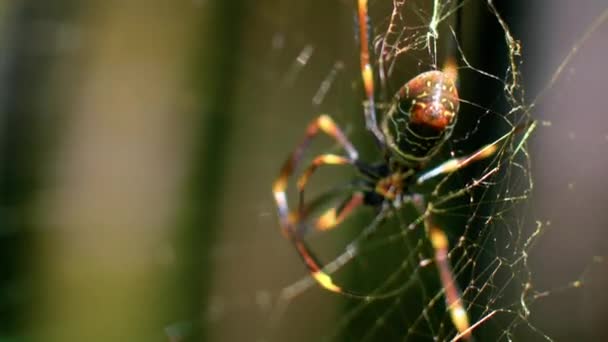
(422, 116)
(412, 131)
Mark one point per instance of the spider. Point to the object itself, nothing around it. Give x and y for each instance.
(413, 129)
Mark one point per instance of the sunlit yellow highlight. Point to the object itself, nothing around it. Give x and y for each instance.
(293, 218)
(327, 220)
(331, 159)
(438, 239)
(325, 281)
(450, 166)
(459, 318)
(279, 185)
(368, 79)
(488, 151)
(362, 6)
(326, 123)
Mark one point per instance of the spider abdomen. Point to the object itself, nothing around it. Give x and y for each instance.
(434, 100)
(423, 115)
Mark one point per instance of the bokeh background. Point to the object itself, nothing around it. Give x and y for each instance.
(139, 140)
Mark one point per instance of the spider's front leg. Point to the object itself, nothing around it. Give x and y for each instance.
(325, 124)
(289, 221)
(487, 151)
(367, 73)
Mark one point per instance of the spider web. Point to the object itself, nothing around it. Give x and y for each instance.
(390, 258)
(482, 209)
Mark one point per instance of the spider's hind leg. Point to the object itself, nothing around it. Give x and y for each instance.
(453, 294)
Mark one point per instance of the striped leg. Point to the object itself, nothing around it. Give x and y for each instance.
(326, 221)
(456, 164)
(325, 124)
(331, 217)
(367, 73)
(325, 159)
(452, 293)
(334, 216)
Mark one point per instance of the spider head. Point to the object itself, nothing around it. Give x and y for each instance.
(423, 115)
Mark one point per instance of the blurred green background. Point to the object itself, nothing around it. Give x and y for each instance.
(139, 141)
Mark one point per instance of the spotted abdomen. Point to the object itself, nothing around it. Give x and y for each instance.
(423, 115)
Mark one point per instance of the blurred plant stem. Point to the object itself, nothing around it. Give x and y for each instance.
(112, 195)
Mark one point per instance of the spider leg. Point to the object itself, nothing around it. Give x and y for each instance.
(333, 216)
(325, 159)
(330, 218)
(455, 164)
(326, 221)
(367, 73)
(440, 244)
(452, 293)
(438, 238)
(325, 124)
